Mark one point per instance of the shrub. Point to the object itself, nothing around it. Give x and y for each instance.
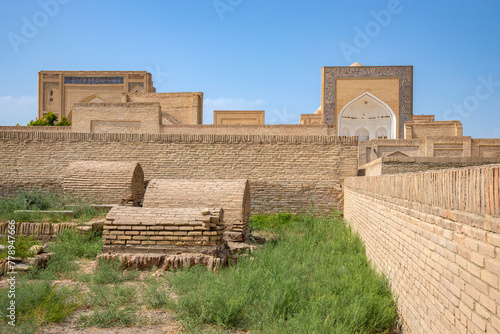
(50, 119)
(21, 245)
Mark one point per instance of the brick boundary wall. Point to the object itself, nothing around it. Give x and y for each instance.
(436, 235)
(399, 165)
(285, 172)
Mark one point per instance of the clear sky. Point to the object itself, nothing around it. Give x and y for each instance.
(260, 54)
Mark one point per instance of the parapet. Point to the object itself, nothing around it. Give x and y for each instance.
(110, 182)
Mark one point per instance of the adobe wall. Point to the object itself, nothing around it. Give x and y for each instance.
(116, 117)
(451, 146)
(399, 165)
(436, 235)
(275, 129)
(421, 129)
(186, 108)
(237, 117)
(285, 172)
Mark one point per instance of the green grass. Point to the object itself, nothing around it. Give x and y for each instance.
(69, 247)
(110, 272)
(155, 294)
(21, 245)
(314, 278)
(38, 200)
(38, 303)
(111, 306)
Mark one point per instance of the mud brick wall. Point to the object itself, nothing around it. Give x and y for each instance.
(285, 172)
(131, 229)
(399, 165)
(271, 129)
(110, 182)
(232, 195)
(116, 117)
(436, 235)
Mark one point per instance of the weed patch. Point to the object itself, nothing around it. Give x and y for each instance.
(21, 245)
(39, 303)
(155, 294)
(111, 306)
(110, 272)
(38, 200)
(315, 278)
(69, 247)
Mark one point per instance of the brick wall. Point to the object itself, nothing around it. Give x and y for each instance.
(430, 147)
(186, 108)
(436, 235)
(116, 117)
(399, 165)
(285, 172)
(276, 129)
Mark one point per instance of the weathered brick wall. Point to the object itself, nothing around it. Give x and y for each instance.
(129, 229)
(116, 117)
(232, 195)
(436, 235)
(110, 182)
(399, 165)
(275, 129)
(186, 108)
(429, 147)
(285, 172)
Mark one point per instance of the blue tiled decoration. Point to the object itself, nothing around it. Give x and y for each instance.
(403, 73)
(93, 80)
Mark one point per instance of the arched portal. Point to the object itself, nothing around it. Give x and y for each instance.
(367, 114)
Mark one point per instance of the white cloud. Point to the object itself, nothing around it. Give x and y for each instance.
(222, 103)
(14, 110)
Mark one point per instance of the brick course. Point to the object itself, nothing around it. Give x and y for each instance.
(163, 230)
(435, 235)
(285, 172)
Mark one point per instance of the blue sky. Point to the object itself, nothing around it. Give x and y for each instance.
(256, 54)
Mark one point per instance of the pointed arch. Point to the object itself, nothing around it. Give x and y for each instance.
(362, 134)
(136, 89)
(379, 102)
(381, 133)
(51, 98)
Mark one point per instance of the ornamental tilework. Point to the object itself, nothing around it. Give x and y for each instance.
(403, 73)
(93, 80)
